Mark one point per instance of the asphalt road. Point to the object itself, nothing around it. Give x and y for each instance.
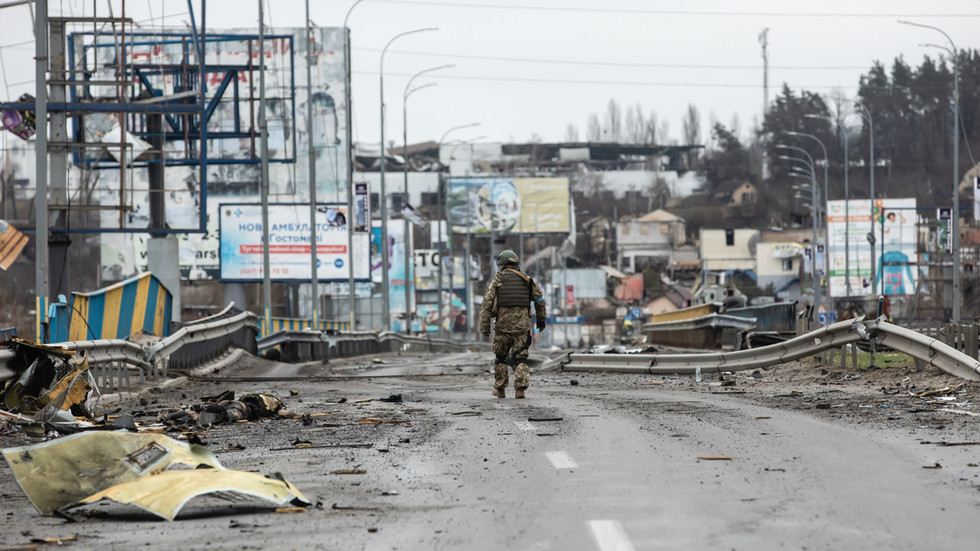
(614, 462)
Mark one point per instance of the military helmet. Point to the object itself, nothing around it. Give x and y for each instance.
(507, 257)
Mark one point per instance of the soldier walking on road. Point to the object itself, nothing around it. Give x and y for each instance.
(508, 300)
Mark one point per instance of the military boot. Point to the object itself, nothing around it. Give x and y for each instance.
(499, 393)
(518, 394)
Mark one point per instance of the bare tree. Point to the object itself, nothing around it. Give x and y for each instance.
(593, 131)
(571, 133)
(614, 122)
(663, 132)
(650, 129)
(634, 124)
(692, 125)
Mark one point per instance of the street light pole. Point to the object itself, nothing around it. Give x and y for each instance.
(443, 219)
(311, 155)
(264, 181)
(408, 257)
(865, 114)
(815, 280)
(956, 167)
(348, 122)
(385, 248)
(842, 128)
(826, 162)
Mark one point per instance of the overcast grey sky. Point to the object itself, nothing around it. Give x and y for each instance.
(533, 67)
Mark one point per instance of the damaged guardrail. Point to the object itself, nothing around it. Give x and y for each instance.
(877, 332)
(306, 345)
(391, 342)
(193, 345)
(297, 345)
(111, 361)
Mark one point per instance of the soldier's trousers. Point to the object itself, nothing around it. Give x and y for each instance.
(503, 344)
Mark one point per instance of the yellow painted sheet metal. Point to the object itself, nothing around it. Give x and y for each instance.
(61, 472)
(139, 309)
(685, 313)
(166, 493)
(72, 389)
(78, 330)
(110, 314)
(160, 315)
(12, 242)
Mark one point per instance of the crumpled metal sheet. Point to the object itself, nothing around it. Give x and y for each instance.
(46, 377)
(166, 493)
(61, 472)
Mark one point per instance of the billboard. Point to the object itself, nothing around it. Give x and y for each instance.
(240, 228)
(235, 176)
(395, 267)
(508, 205)
(427, 270)
(849, 253)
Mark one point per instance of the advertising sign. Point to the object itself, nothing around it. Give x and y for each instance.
(508, 205)
(944, 236)
(427, 270)
(849, 253)
(289, 243)
(362, 207)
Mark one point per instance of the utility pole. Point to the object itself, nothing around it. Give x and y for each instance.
(311, 153)
(264, 183)
(764, 40)
(41, 168)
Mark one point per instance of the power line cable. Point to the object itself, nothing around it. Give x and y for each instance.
(708, 13)
(612, 82)
(621, 63)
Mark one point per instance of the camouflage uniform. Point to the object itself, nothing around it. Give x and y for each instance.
(512, 327)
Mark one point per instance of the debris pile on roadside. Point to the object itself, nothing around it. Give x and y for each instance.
(45, 386)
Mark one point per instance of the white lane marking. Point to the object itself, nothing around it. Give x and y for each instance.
(610, 536)
(561, 460)
(525, 425)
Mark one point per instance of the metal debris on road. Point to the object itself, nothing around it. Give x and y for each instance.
(714, 458)
(131, 468)
(46, 381)
(60, 472)
(166, 493)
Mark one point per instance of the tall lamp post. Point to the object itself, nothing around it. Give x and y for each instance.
(865, 114)
(466, 256)
(842, 128)
(385, 248)
(408, 92)
(956, 166)
(443, 219)
(348, 121)
(311, 154)
(826, 162)
(808, 162)
(822, 226)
